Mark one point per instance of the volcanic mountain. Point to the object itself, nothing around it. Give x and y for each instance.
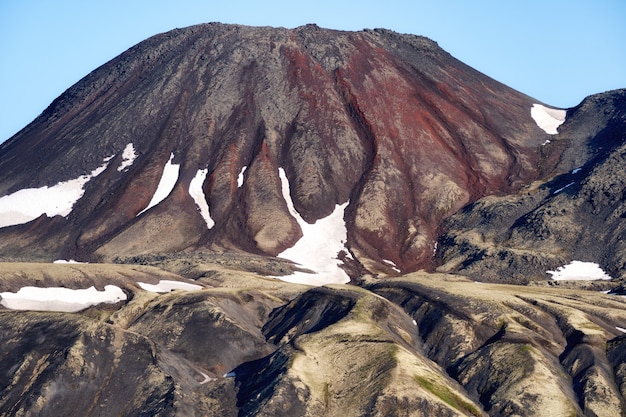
(202, 138)
(191, 171)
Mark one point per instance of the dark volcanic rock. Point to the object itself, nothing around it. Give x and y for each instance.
(215, 331)
(318, 309)
(391, 123)
(58, 364)
(576, 215)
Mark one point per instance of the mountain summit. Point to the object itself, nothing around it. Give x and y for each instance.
(220, 138)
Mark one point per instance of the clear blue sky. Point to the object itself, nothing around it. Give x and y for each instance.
(558, 51)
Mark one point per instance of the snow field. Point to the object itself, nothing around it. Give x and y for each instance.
(128, 157)
(60, 299)
(165, 285)
(580, 271)
(166, 184)
(547, 119)
(318, 248)
(66, 261)
(29, 203)
(240, 177)
(68, 300)
(196, 192)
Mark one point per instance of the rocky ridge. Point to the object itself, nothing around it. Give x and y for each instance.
(577, 214)
(422, 344)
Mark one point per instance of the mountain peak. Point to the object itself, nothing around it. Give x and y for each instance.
(387, 122)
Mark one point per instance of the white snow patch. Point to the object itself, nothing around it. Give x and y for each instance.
(165, 285)
(621, 329)
(546, 142)
(576, 171)
(319, 246)
(414, 322)
(241, 177)
(166, 184)
(65, 261)
(562, 188)
(577, 270)
(230, 374)
(128, 157)
(59, 298)
(196, 192)
(548, 119)
(206, 378)
(29, 203)
(392, 265)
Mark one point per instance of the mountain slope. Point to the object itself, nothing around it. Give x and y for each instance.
(577, 215)
(389, 125)
(423, 344)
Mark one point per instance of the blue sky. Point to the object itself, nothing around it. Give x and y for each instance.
(558, 51)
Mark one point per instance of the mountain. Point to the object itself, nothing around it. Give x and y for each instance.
(207, 195)
(387, 129)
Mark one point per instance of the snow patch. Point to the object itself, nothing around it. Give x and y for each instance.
(29, 203)
(65, 261)
(206, 378)
(60, 299)
(576, 171)
(547, 119)
(392, 265)
(580, 271)
(241, 177)
(165, 285)
(562, 188)
(319, 246)
(128, 157)
(166, 184)
(621, 329)
(197, 193)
